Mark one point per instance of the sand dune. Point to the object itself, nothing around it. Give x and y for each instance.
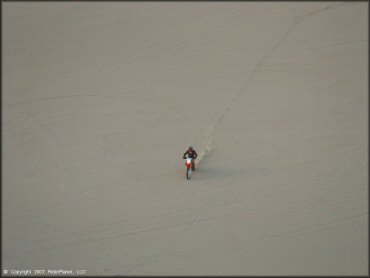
(100, 101)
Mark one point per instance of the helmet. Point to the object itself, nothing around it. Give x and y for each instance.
(190, 148)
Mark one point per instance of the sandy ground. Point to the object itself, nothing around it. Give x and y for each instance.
(100, 101)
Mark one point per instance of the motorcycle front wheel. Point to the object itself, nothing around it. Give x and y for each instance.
(188, 173)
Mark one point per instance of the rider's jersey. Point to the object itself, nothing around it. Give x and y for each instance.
(192, 155)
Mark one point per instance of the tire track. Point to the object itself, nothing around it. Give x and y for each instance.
(207, 147)
(244, 87)
(155, 257)
(164, 250)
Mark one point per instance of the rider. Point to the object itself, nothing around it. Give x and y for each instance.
(192, 154)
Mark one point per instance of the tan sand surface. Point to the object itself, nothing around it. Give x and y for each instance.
(100, 101)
